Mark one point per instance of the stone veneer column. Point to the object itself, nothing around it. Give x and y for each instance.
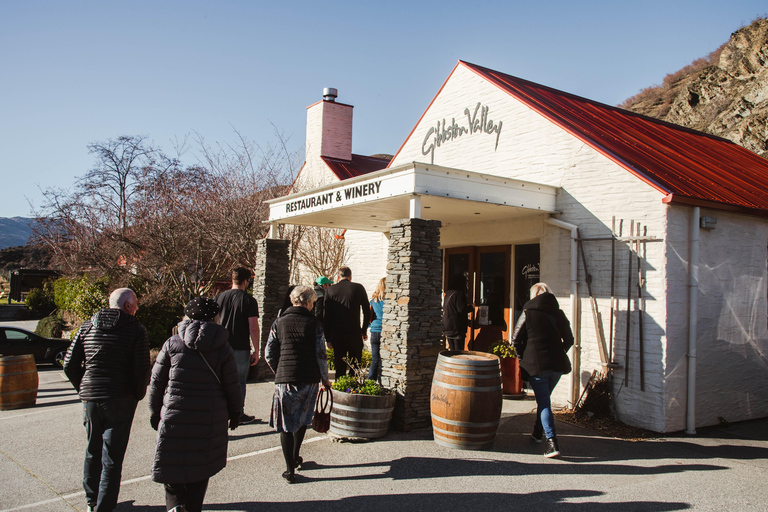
(412, 324)
(269, 287)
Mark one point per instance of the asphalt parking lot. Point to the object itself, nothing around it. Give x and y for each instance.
(41, 458)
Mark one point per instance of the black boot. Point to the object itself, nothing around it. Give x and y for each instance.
(538, 432)
(551, 450)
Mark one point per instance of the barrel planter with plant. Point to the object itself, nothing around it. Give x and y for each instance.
(18, 382)
(361, 408)
(511, 377)
(466, 399)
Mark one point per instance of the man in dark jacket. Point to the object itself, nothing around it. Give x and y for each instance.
(108, 364)
(455, 309)
(343, 303)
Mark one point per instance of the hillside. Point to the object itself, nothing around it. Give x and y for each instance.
(724, 94)
(14, 231)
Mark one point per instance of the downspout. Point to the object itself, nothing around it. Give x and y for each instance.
(693, 300)
(576, 354)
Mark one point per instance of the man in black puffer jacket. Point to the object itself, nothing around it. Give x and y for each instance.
(108, 364)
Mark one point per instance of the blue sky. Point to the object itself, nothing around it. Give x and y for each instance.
(76, 72)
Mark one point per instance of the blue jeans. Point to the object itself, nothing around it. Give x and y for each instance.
(543, 385)
(243, 361)
(108, 426)
(374, 372)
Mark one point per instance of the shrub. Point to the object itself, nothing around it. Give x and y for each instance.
(80, 295)
(41, 300)
(159, 319)
(50, 327)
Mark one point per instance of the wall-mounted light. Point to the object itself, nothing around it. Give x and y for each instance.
(708, 222)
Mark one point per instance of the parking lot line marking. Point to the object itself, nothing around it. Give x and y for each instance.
(67, 497)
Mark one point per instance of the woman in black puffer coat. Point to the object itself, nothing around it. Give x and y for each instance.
(193, 395)
(541, 338)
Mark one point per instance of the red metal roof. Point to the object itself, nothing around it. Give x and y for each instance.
(688, 166)
(359, 165)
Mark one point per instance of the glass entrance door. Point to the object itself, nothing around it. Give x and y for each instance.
(486, 272)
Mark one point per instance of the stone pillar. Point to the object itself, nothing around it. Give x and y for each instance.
(412, 324)
(270, 285)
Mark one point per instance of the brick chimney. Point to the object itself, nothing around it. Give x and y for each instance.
(329, 128)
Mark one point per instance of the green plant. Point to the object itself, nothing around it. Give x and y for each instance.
(80, 295)
(503, 349)
(358, 382)
(159, 318)
(367, 358)
(50, 327)
(41, 300)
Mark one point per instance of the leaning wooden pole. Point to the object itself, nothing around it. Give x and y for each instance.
(640, 283)
(629, 307)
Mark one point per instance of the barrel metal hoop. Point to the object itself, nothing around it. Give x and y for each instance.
(463, 434)
(19, 391)
(359, 409)
(354, 432)
(462, 446)
(358, 420)
(8, 374)
(464, 423)
(465, 388)
(468, 376)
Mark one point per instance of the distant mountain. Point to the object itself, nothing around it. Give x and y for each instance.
(724, 93)
(15, 231)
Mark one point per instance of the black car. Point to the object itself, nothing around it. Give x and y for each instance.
(15, 342)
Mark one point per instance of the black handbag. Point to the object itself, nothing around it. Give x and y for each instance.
(321, 421)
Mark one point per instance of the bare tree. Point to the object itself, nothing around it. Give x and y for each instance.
(139, 214)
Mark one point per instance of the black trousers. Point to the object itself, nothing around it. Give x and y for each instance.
(349, 347)
(190, 495)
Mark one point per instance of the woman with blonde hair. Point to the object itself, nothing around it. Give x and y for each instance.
(541, 338)
(377, 313)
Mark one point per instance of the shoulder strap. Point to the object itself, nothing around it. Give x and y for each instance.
(210, 367)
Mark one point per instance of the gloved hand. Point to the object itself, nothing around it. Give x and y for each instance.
(234, 421)
(154, 421)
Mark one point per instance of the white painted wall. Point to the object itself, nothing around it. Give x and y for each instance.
(593, 190)
(732, 337)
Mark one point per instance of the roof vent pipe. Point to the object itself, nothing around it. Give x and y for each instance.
(330, 94)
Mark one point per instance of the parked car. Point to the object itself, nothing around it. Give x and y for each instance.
(15, 342)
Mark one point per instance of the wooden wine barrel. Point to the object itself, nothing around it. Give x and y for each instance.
(466, 399)
(362, 416)
(18, 382)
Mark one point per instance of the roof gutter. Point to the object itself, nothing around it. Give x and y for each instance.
(576, 353)
(677, 199)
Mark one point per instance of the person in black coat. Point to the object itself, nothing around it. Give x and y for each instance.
(344, 302)
(108, 364)
(455, 310)
(541, 338)
(193, 395)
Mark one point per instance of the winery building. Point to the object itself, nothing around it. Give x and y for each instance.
(653, 237)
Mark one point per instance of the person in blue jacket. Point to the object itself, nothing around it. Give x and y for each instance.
(377, 313)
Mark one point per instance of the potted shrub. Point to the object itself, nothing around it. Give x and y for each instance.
(361, 407)
(512, 382)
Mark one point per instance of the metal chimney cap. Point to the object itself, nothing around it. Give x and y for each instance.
(330, 94)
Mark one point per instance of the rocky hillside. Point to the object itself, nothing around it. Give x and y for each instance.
(725, 93)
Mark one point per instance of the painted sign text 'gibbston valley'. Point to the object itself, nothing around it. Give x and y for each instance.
(477, 121)
(328, 198)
